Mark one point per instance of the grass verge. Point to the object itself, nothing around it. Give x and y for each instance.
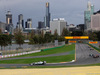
(55, 59)
(65, 48)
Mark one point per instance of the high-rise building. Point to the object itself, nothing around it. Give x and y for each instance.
(40, 25)
(20, 23)
(57, 24)
(9, 17)
(28, 23)
(87, 16)
(9, 23)
(47, 16)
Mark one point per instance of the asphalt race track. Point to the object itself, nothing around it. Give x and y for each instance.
(82, 58)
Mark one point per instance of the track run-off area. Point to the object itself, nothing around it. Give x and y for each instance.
(82, 57)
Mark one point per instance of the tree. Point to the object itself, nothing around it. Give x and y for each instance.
(85, 34)
(0, 31)
(98, 35)
(32, 34)
(41, 38)
(61, 38)
(4, 40)
(65, 32)
(10, 37)
(19, 38)
(36, 39)
(42, 34)
(93, 36)
(47, 38)
(77, 33)
(31, 37)
(55, 35)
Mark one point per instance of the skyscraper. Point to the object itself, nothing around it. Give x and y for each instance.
(20, 21)
(47, 16)
(9, 23)
(87, 16)
(40, 25)
(9, 17)
(28, 23)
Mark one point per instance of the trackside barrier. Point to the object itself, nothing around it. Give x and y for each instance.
(52, 48)
(18, 54)
(94, 47)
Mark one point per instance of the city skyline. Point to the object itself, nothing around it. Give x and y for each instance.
(72, 11)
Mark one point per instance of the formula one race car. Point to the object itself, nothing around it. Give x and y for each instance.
(38, 63)
(91, 49)
(94, 56)
(91, 55)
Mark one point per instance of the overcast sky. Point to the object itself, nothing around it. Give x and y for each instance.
(71, 10)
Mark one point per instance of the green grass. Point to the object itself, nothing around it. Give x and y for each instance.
(65, 48)
(54, 59)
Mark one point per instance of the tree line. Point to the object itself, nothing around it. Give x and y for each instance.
(42, 38)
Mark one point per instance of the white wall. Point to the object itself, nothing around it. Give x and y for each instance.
(57, 24)
(95, 22)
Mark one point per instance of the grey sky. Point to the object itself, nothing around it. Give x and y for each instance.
(71, 10)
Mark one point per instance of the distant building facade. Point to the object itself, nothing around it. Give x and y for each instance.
(80, 27)
(3, 27)
(71, 28)
(57, 24)
(95, 21)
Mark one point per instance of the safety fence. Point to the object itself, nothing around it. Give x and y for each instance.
(30, 49)
(18, 54)
(51, 48)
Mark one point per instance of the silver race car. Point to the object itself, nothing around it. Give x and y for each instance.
(38, 63)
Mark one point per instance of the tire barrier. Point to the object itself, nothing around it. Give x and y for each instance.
(18, 54)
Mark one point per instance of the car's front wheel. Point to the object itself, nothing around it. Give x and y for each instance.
(31, 64)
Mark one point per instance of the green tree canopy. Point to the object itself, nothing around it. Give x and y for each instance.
(4, 40)
(47, 38)
(65, 32)
(93, 36)
(55, 35)
(19, 38)
(77, 33)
